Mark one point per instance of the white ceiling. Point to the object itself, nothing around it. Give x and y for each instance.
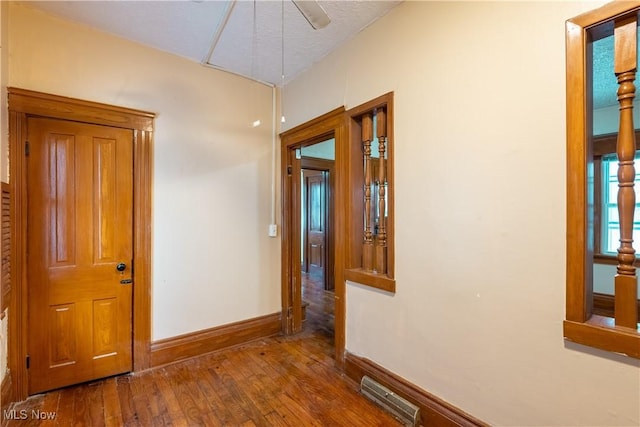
(188, 28)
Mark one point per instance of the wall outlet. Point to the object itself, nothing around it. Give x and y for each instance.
(273, 230)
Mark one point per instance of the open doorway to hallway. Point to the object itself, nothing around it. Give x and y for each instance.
(317, 174)
(317, 275)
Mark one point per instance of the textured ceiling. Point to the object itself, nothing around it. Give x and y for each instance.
(252, 48)
(605, 83)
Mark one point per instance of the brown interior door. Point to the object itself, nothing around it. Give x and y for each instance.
(316, 218)
(80, 194)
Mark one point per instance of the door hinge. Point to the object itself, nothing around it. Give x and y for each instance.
(289, 170)
(27, 361)
(26, 148)
(289, 312)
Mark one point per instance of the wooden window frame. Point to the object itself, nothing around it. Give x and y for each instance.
(582, 325)
(602, 146)
(355, 204)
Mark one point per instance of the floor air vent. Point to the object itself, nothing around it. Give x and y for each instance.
(402, 409)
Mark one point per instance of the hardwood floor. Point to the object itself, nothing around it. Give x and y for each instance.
(320, 308)
(279, 381)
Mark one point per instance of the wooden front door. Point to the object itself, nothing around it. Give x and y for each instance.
(80, 234)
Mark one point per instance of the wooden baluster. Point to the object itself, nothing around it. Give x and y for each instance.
(626, 284)
(367, 136)
(381, 237)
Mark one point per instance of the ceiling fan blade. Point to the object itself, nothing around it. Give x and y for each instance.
(313, 12)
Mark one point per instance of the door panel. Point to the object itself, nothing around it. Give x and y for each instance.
(80, 214)
(316, 214)
(316, 221)
(63, 346)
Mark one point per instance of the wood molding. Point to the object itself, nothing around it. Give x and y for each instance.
(603, 304)
(5, 280)
(308, 131)
(379, 281)
(433, 410)
(610, 259)
(6, 394)
(194, 344)
(24, 104)
(54, 106)
(142, 220)
(601, 332)
(606, 143)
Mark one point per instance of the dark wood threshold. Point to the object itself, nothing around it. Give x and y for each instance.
(194, 344)
(433, 410)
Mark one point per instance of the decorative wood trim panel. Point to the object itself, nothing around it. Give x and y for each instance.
(581, 325)
(24, 104)
(17, 345)
(434, 411)
(194, 344)
(5, 280)
(355, 204)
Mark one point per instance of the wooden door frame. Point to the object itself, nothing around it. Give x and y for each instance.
(324, 165)
(24, 104)
(314, 131)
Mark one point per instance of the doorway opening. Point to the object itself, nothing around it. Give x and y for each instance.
(313, 285)
(316, 232)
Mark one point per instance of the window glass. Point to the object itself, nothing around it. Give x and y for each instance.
(610, 221)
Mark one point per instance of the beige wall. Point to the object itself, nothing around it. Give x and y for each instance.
(213, 262)
(479, 114)
(480, 212)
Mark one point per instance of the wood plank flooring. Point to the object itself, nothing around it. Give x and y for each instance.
(321, 304)
(279, 381)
